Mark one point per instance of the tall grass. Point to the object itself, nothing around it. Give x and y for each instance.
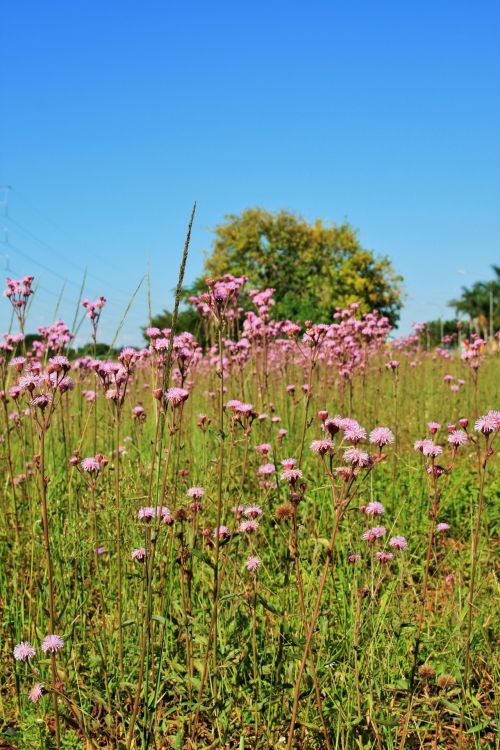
(289, 631)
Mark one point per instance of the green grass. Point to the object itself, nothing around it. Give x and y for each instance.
(375, 605)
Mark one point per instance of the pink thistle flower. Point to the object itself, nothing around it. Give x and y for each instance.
(289, 463)
(196, 493)
(432, 450)
(291, 475)
(393, 364)
(253, 511)
(223, 532)
(375, 533)
(322, 447)
(244, 409)
(443, 527)
(24, 651)
(357, 457)
(464, 422)
(354, 433)
(323, 415)
(266, 469)
(264, 448)
(353, 558)
(253, 563)
(42, 400)
(374, 509)
(419, 445)
(281, 433)
(384, 557)
(381, 436)
(52, 644)
(248, 527)
(36, 692)
(138, 554)
(433, 427)
(176, 396)
(458, 437)
(398, 542)
(488, 423)
(90, 465)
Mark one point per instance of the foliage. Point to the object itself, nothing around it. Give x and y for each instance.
(313, 267)
(479, 301)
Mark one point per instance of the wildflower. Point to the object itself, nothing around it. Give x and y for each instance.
(488, 423)
(36, 692)
(425, 671)
(222, 532)
(375, 533)
(419, 445)
(392, 365)
(322, 447)
(289, 463)
(284, 512)
(458, 437)
(443, 527)
(353, 558)
(446, 682)
(431, 450)
(374, 509)
(464, 422)
(354, 433)
(266, 469)
(291, 475)
(138, 554)
(264, 448)
(384, 557)
(323, 415)
(247, 527)
(253, 511)
(148, 513)
(398, 542)
(381, 436)
(253, 563)
(195, 492)
(52, 644)
(42, 400)
(176, 396)
(24, 651)
(90, 465)
(357, 457)
(281, 433)
(433, 427)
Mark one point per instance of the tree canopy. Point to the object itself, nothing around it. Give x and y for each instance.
(313, 267)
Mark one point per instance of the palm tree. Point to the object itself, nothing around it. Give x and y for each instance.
(481, 303)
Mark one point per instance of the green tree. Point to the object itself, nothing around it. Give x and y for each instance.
(481, 304)
(313, 267)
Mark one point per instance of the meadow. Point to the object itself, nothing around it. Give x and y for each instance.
(285, 539)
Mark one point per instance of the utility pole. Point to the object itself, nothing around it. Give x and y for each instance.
(491, 313)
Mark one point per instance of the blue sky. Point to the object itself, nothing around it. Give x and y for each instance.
(116, 116)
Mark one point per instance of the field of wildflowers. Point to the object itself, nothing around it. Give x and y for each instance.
(288, 540)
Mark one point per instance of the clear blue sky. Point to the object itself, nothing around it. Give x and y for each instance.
(116, 116)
